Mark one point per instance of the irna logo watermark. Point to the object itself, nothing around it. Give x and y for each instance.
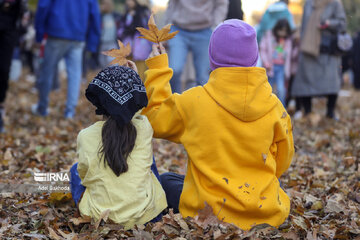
(52, 177)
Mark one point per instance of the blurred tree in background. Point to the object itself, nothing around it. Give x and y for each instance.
(352, 9)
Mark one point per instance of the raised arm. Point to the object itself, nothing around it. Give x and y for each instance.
(163, 110)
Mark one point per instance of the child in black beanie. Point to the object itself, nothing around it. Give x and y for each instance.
(116, 166)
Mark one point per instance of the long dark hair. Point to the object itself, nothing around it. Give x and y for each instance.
(141, 16)
(117, 143)
(282, 23)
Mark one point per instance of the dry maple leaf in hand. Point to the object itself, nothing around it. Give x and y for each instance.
(119, 54)
(153, 34)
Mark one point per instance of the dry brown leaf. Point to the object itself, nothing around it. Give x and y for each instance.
(119, 54)
(53, 234)
(300, 222)
(71, 236)
(79, 220)
(153, 34)
(206, 216)
(103, 216)
(178, 218)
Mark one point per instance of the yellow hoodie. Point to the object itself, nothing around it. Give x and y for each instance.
(136, 196)
(238, 137)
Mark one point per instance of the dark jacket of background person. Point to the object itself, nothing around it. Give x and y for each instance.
(140, 19)
(356, 61)
(320, 75)
(235, 10)
(69, 19)
(11, 13)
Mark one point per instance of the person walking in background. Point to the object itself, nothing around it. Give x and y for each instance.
(109, 25)
(319, 65)
(275, 52)
(137, 15)
(275, 12)
(295, 50)
(194, 20)
(68, 24)
(27, 44)
(11, 13)
(235, 10)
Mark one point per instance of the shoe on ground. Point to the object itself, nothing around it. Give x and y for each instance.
(30, 78)
(69, 115)
(298, 115)
(333, 117)
(35, 111)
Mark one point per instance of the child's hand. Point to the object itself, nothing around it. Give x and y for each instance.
(267, 66)
(157, 49)
(132, 65)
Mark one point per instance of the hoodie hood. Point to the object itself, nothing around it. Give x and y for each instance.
(243, 91)
(277, 7)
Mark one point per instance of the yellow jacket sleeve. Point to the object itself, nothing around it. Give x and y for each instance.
(83, 164)
(285, 145)
(162, 111)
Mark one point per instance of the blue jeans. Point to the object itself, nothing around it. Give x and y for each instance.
(279, 80)
(55, 50)
(172, 184)
(77, 189)
(198, 43)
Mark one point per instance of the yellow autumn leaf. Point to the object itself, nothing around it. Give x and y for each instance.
(119, 54)
(153, 34)
(57, 197)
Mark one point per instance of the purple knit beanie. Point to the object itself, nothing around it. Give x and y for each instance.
(233, 44)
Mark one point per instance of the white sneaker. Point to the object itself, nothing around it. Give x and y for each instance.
(292, 103)
(30, 78)
(298, 115)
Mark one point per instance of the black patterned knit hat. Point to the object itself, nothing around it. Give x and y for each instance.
(117, 91)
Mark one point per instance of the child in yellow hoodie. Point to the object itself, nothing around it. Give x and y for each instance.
(116, 170)
(237, 134)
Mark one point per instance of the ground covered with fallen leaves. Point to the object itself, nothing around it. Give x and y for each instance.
(323, 180)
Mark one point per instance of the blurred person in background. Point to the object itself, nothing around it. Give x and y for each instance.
(319, 65)
(194, 20)
(11, 13)
(27, 44)
(137, 15)
(295, 50)
(275, 48)
(275, 12)
(235, 10)
(109, 25)
(68, 24)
